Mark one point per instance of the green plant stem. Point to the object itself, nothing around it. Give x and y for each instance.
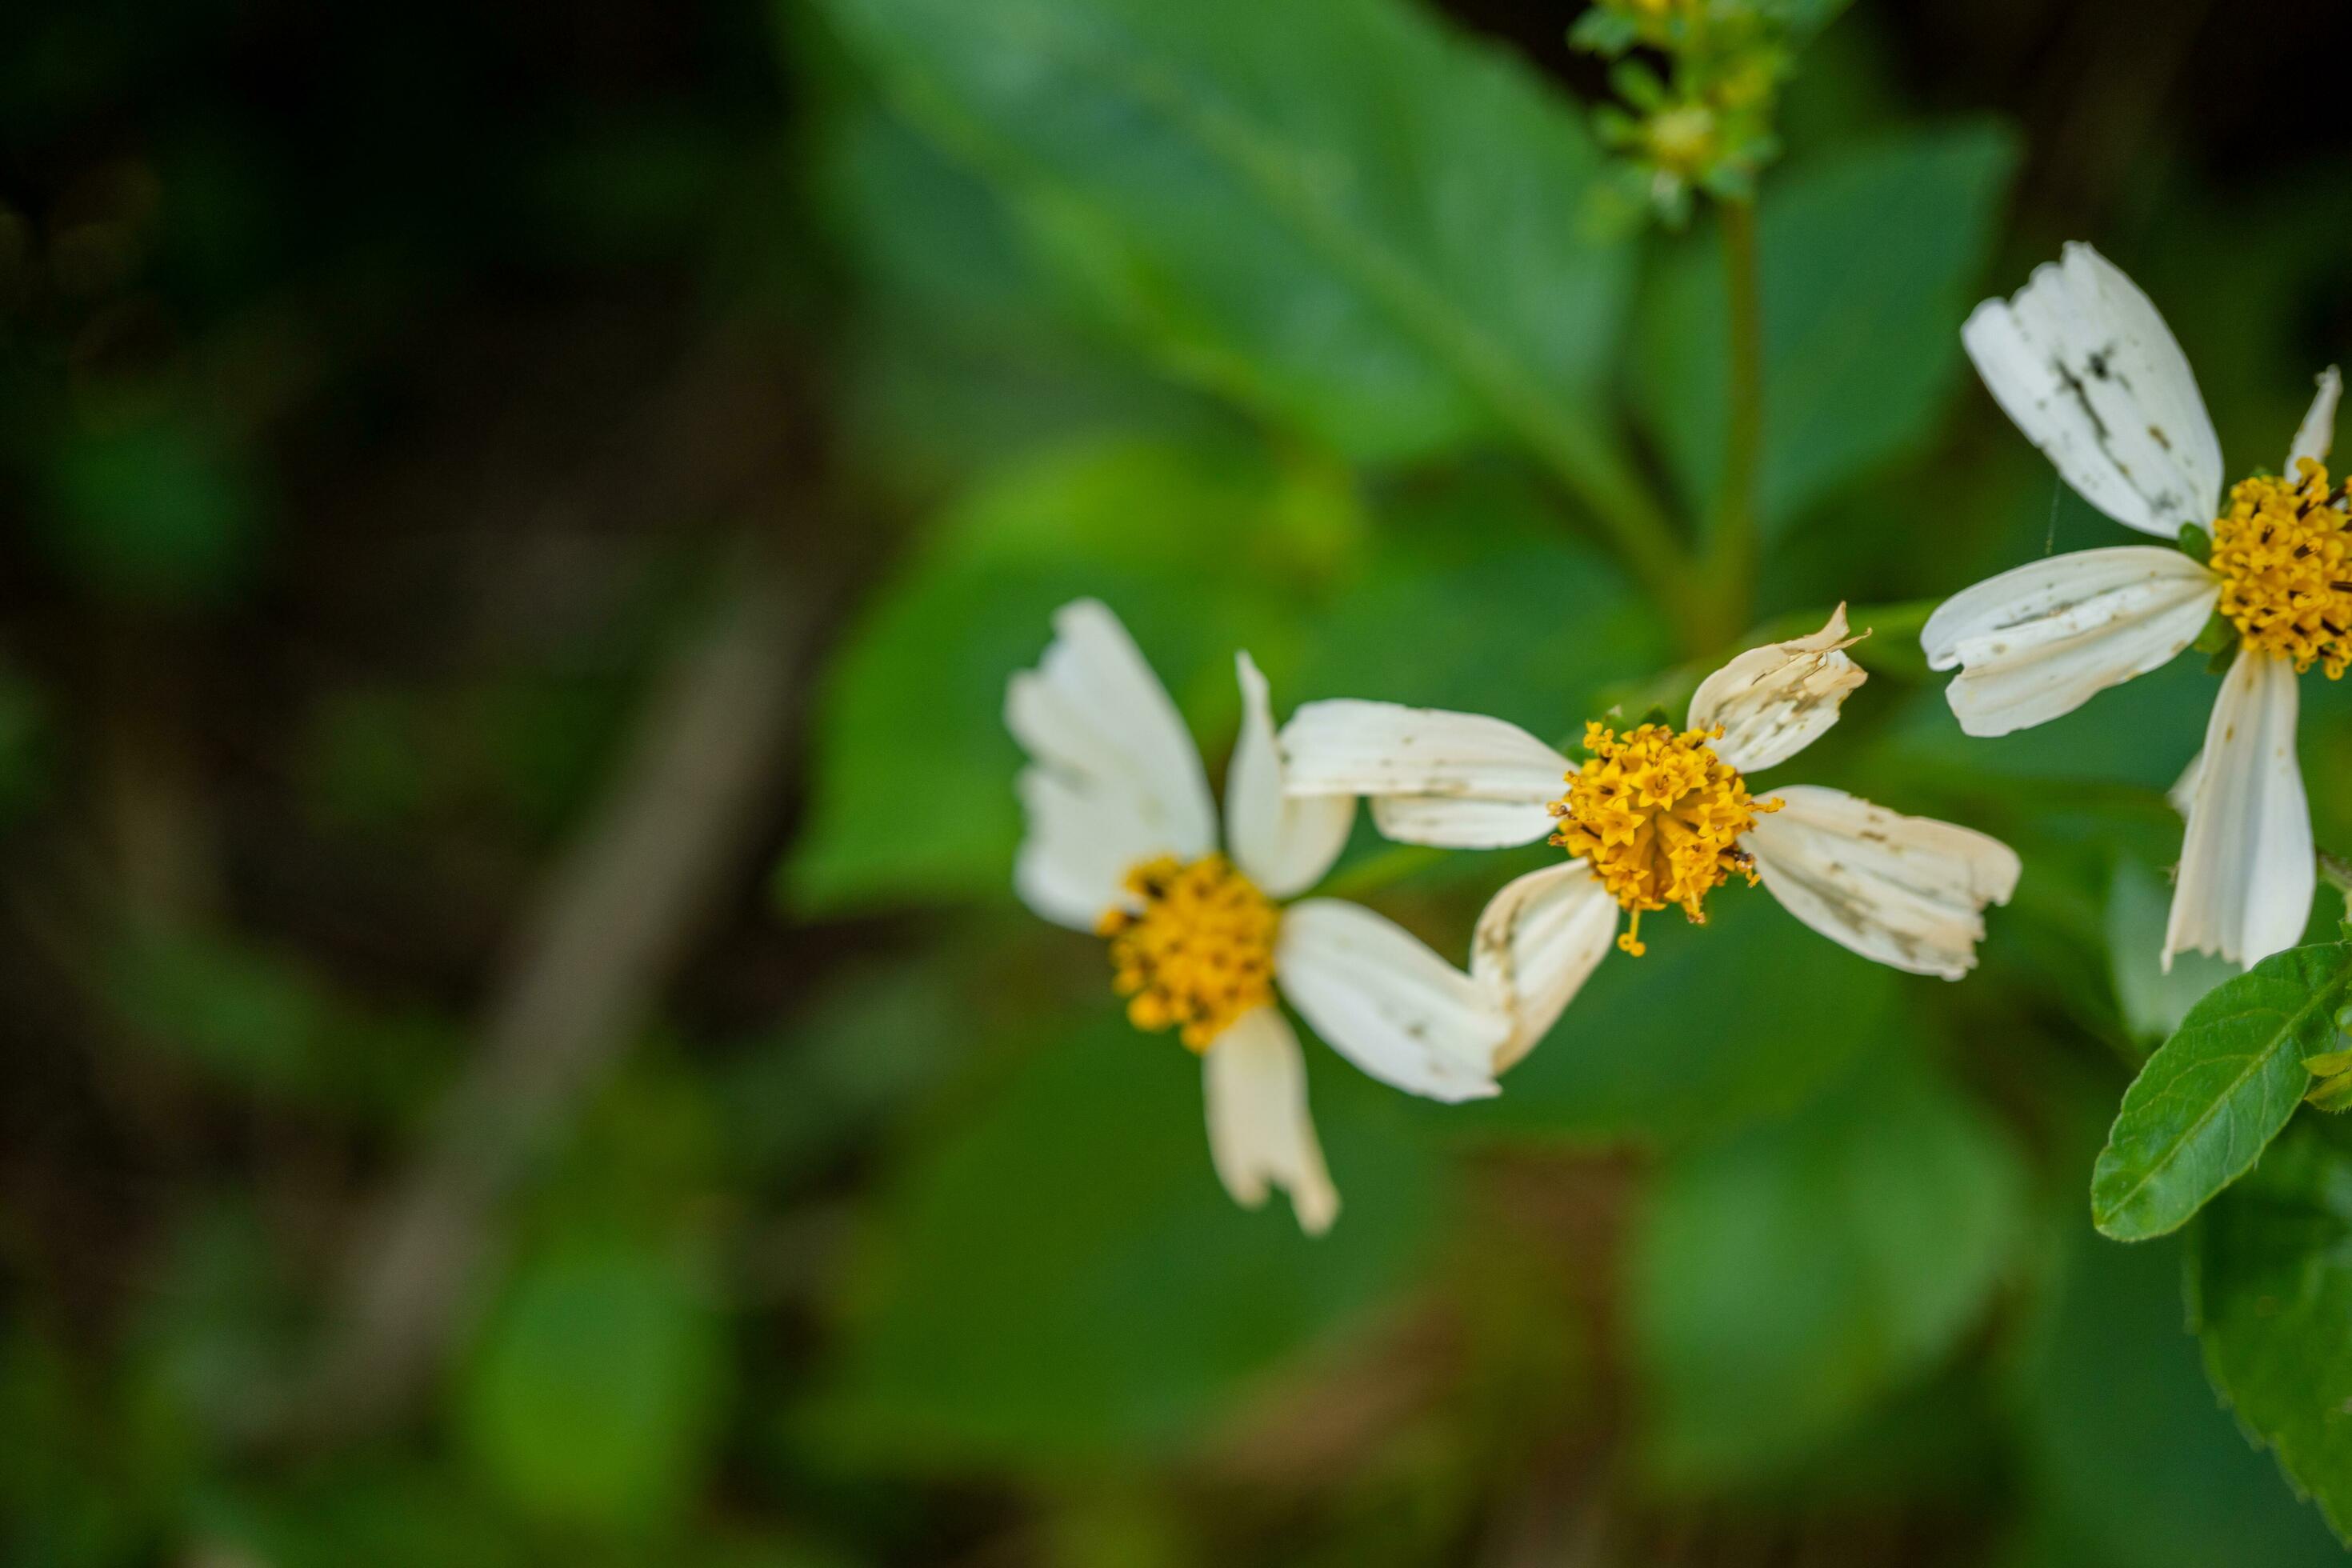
(1731, 536)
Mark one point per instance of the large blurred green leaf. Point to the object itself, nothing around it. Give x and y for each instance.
(961, 347)
(2271, 1292)
(2213, 1096)
(1870, 259)
(1712, 1027)
(2154, 1003)
(2126, 1455)
(1338, 213)
(1194, 547)
(1787, 1279)
(1473, 597)
(593, 1397)
(1062, 1279)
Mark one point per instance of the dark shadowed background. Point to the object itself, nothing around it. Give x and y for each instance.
(516, 1045)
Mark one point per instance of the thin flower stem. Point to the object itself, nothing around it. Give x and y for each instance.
(1731, 538)
(2336, 872)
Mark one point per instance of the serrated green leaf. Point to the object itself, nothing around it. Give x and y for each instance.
(1789, 1278)
(2213, 1096)
(2332, 1094)
(1869, 260)
(2122, 1449)
(2270, 1289)
(1394, 259)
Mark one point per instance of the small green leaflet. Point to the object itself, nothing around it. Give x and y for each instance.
(2211, 1098)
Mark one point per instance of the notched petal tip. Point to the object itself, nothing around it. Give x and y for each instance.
(1773, 702)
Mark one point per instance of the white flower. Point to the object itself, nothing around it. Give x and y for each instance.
(1657, 819)
(1122, 841)
(2082, 362)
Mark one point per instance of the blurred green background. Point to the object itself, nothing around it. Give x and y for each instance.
(518, 1043)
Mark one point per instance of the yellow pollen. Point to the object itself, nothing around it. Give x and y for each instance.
(1660, 816)
(1199, 953)
(2284, 557)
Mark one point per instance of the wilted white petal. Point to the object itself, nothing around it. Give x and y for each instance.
(1284, 844)
(2082, 362)
(1773, 702)
(1451, 822)
(2316, 434)
(2043, 639)
(1382, 999)
(1907, 892)
(2247, 870)
(1260, 1134)
(1538, 941)
(1124, 772)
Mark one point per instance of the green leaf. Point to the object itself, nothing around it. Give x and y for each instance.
(1063, 1279)
(2270, 1289)
(1340, 212)
(596, 1394)
(2215, 1094)
(1785, 1280)
(1870, 259)
(1713, 1028)
(1196, 548)
(2122, 1449)
(1446, 563)
(961, 348)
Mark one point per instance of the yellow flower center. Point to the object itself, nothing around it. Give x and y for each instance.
(1200, 952)
(1660, 816)
(2285, 558)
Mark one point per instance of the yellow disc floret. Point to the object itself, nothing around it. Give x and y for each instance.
(1197, 952)
(2285, 558)
(1660, 816)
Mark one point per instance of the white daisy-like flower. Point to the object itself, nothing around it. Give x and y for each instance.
(1122, 841)
(1657, 818)
(2083, 363)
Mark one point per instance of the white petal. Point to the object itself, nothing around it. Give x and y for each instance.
(1094, 718)
(1452, 823)
(1283, 844)
(1773, 702)
(2247, 871)
(1411, 760)
(1348, 747)
(2043, 639)
(1538, 941)
(2083, 363)
(1260, 1134)
(1907, 892)
(2316, 434)
(1386, 1002)
(1080, 842)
